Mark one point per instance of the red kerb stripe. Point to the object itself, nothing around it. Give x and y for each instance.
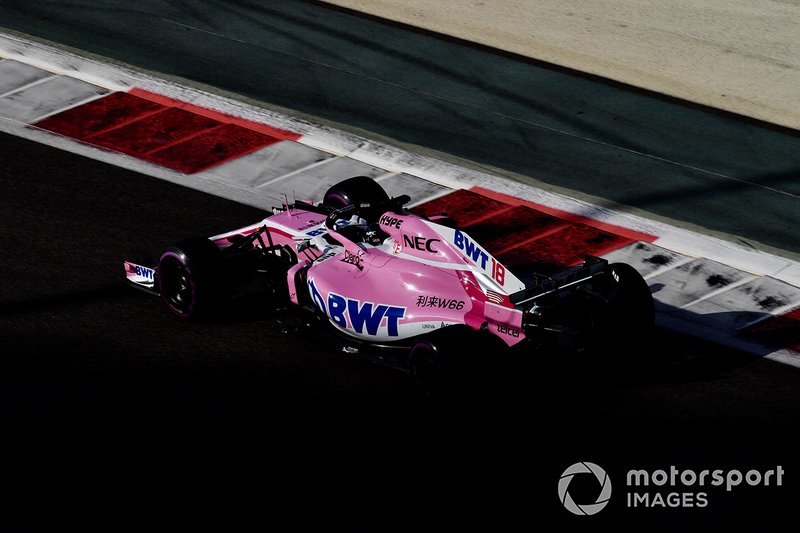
(570, 217)
(780, 332)
(100, 115)
(210, 148)
(216, 115)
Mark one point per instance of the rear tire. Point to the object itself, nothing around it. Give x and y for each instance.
(447, 364)
(629, 316)
(632, 301)
(429, 366)
(190, 278)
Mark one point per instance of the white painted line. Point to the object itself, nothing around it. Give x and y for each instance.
(443, 192)
(296, 171)
(72, 104)
(775, 313)
(27, 86)
(726, 288)
(15, 75)
(677, 264)
(46, 98)
(691, 281)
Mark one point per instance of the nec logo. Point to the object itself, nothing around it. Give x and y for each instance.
(392, 222)
(421, 243)
(362, 317)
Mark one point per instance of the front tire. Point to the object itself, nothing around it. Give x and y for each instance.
(190, 278)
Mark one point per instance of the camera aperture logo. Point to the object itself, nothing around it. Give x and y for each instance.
(587, 508)
(663, 488)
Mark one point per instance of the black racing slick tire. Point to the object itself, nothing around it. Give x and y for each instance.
(447, 363)
(632, 301)
(429, 366)
(358, 190)
(628, 320)
(190, 278)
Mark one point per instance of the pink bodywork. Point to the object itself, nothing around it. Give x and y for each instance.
(423, 277)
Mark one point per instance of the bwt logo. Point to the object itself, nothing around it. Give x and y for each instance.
(589, 508)
(479, 257)
(353, 314)
(143, 271)
(470, 249)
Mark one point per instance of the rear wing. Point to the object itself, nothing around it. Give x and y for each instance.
(545, 285)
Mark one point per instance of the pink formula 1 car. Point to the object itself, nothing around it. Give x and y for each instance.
(381, 275)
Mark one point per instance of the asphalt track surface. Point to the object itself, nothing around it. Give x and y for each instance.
(117, 417)
(541, 124)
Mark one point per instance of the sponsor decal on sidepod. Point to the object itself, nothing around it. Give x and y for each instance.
(363, 318)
